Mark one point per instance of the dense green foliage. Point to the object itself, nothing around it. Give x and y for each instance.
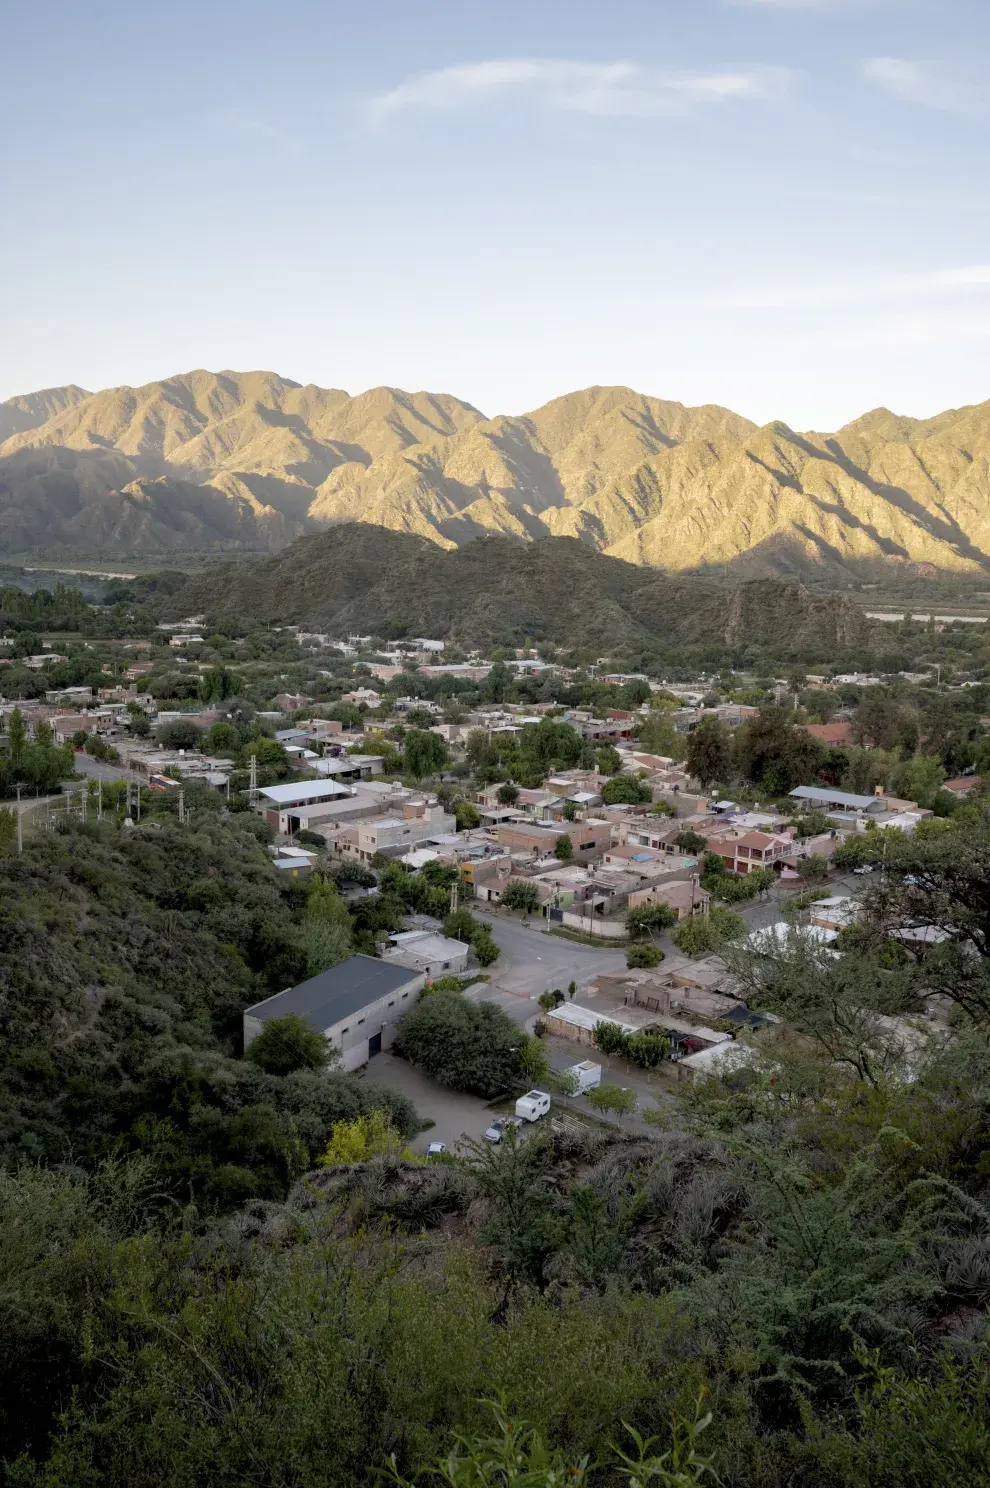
(471, 1046)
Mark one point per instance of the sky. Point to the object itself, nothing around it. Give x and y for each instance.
(782, 206)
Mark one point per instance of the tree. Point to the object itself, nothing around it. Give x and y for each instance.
(563, 849)
(550, 999)
(496, 686)
(627, 789)
(701, 935)
(609, 760)
(657, 735)
(460, 924)
(643, 917)
(521, 894)
(425, 753)
(709, 751)
(17, 737)
(507, 794)
(690, 841)
(614, 1099)
(472, 1046)
(609, 1037)
(485, 947)
(643, 956)
(815, 868)
(467, 816)
(179, 733)
(287, 1044)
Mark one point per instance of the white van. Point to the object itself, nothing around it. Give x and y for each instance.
(533, 1105)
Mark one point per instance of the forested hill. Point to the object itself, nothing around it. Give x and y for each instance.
(362, 579)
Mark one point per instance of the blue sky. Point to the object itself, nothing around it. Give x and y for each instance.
(779, 205)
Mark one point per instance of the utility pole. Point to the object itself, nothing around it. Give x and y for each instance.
(99, 800)
(253, 780)
(20, 832)
(182, 805)
(453, 898)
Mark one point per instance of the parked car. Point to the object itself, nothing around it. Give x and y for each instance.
(533, 1105)
(500, 1126)
(865, 868)
(436, 1149)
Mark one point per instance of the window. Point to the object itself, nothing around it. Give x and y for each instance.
(392, 1003)
(584, 846)
(347, 1029)
(360, 1021)
(405, 994)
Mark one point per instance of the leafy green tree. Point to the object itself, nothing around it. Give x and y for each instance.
(485, 947)
(690, 841)
(467, 816)
(609, 760)
(616, 1100)
(17, 737)
(461, 925)
(472, 1046)
(563, 849)
(179, 733)
(521, 894)
(424, 753)
(709, 751)
(814, 868)
(645, 917)
(626, 789)
(287, 1044)
(507, 794)
(701, 935)
(550, 999)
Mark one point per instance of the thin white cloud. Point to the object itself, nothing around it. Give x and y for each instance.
(606, 89)
(936, 282)
(248, 127)
(930, 84)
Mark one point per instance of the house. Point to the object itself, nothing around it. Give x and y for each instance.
(356, 1006)
(589, 839)
(830, 733)
(366, 695)
(834, 913)
(278, 802)
(751, 851)
(349, 767)
(685, 898)
(393, 835)
(292, 702)
(961, 786)
(830, 800)
(434, 955)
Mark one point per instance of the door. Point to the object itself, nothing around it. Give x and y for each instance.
(374, 1045)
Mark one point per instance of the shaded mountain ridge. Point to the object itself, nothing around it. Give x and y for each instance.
(358, 579)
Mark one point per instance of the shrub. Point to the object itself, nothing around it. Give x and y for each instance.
(287, 1044)
(643, 956)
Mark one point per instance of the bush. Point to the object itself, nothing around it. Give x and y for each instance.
(703, 934)
(643, 956)
(484, 946)
(563, 849)
(649, 917)
(306, 838)
(287, 1044)
(550, 999)
(626, 790)
(472, 1046)
(179, 733)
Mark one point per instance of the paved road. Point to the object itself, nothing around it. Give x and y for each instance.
(531, 960)
(98, 770)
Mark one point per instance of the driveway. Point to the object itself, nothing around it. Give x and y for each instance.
(455, 1115)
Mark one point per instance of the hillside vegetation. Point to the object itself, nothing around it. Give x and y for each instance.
(210, 461)
(362, 579)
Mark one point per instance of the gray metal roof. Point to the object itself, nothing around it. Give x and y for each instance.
(334, 994)
(829, 796)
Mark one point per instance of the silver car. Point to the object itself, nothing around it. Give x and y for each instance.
(500, 1126)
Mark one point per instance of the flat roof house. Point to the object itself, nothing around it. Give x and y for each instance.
(356, 1006)
(278, 801)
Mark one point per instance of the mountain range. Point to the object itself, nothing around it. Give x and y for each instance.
(361, 579)
(211, 462)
